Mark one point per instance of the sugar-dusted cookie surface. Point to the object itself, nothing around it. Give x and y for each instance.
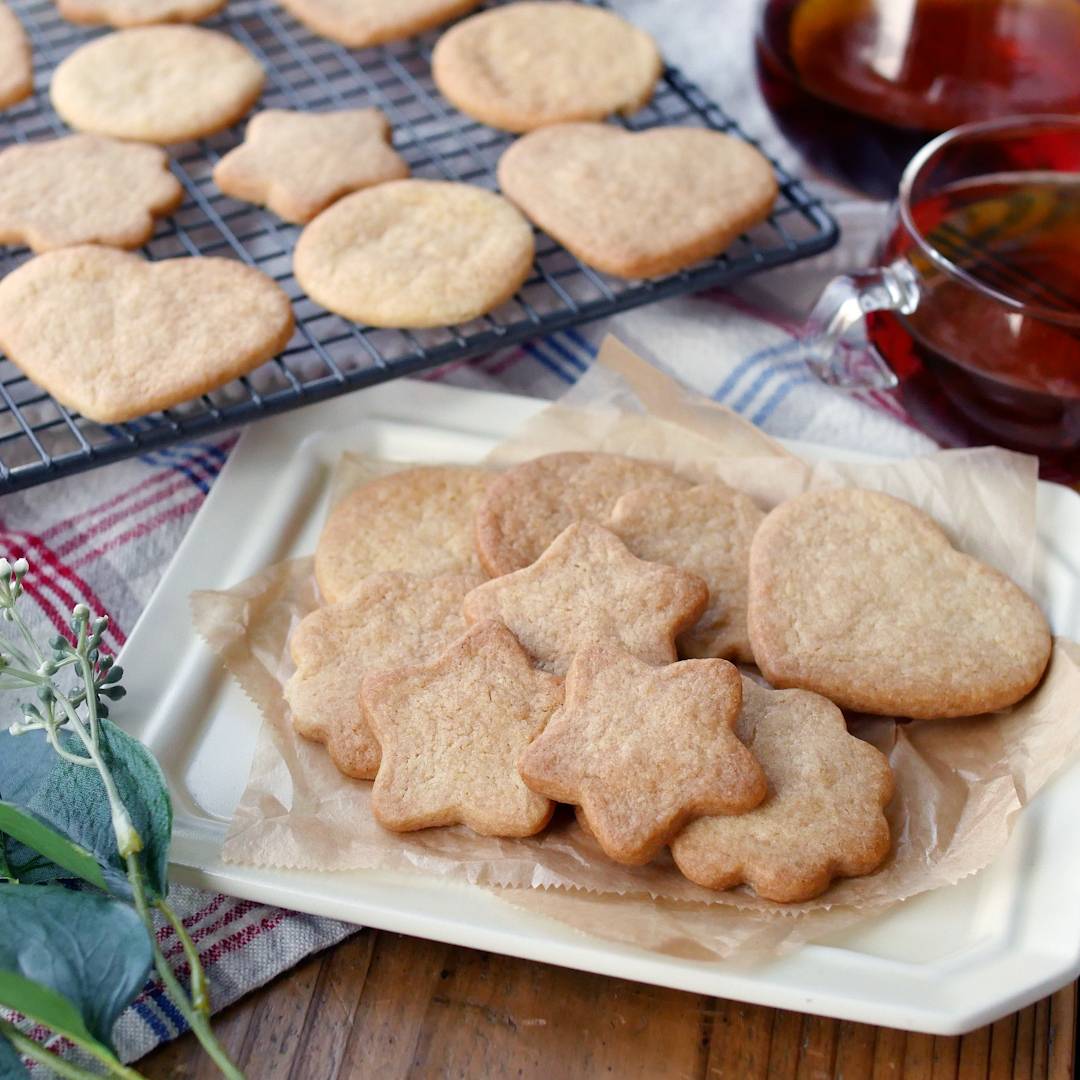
(530, 504)
(643, 750)
(860, 597)
(137, 12)
(638, 204)
(524, 65)
(83, 189)
(415, 253)
(388, 620)
(16, 68)
(418, 521)
(358, 23)
(707, 530)
(587, 589)
(298, 163)
(823, 816)
(452, 732)
(159, 84)
(114, 336)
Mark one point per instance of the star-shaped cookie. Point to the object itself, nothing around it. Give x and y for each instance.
(452, 733)
(643, 750)
(83, 189)
(298, 163)
(388, 620)
(587, 589)
(822, 818)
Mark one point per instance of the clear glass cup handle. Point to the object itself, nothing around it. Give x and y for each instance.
(828, 346)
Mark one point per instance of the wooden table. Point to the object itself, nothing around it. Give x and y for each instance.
(385, 1006)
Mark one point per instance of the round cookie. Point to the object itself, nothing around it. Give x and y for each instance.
(83, 189)
(823, 816)
(528, 506)
(638, 204)
(159, 84)
(706, 530)
(860, 597)
(359, 23)
(137, 12)
(16, 68)
(415, 253)
(298, 163)
(115, 336)
(524, 65)
(418, 521)
(388, 620)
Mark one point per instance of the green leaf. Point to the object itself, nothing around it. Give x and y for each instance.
(6, 873)
(43, 838)
(72, 961)
(71, 798)
(11, 1066)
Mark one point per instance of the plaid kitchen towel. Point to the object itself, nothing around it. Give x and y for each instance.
(106, 538)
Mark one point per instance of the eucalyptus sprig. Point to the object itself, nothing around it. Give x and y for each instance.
(80, 799)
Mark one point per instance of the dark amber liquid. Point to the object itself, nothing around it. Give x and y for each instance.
(860, 85)
(975, 369)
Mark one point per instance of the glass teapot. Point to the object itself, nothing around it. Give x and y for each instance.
(860, 85)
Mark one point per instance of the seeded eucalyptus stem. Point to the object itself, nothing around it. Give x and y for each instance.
(32, 669)
(36, 1052)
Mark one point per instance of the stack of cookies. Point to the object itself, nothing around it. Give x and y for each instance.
(494, 644)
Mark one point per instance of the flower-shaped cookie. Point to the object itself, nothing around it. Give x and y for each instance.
(822, 818)
(388, 620)
(452, 733)
(83, 189)
(642, 750)
(587, 589)
(298, 163)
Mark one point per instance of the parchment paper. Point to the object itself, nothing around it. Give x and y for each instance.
(959, 783)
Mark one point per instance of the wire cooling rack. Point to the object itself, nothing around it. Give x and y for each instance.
(41, 440)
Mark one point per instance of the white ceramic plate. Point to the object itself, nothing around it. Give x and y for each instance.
(945, 962)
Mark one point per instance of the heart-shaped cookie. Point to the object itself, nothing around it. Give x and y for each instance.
(860, 597)
(638, 204)
(115, 336)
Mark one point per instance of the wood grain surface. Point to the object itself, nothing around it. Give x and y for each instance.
(385, 1006)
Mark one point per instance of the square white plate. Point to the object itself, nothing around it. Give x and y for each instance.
(944, 962)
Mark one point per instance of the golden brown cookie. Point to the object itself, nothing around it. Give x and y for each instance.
(298, 163)
(137, 12)
(83, 189)
(114, 336)
(521, 66)
(587, 589)
(861, 597)
(706, 530)
(159, 84)
(418, 521)
(359, 23)
(644, 750)
(389, 620)
(16, 68)
(822, 818)
(638, 204)
(529, 505)
(415, 253)
(451, 734)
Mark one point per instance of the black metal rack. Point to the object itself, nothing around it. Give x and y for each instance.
(40, 440)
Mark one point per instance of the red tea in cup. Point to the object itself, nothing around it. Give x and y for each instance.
(981, 329)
